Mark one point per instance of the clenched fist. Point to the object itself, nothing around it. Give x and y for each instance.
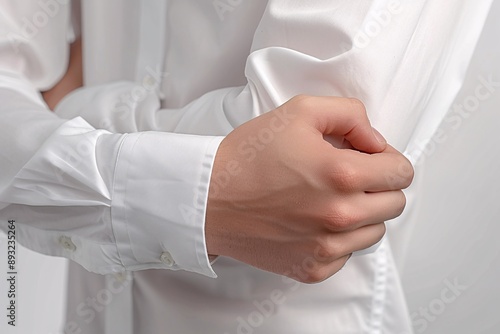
(282, 196)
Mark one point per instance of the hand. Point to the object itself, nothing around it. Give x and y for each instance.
(72, 80)
(285, 200)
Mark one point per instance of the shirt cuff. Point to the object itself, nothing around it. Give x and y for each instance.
(160, 192)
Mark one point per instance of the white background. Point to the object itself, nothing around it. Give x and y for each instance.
(455, 226)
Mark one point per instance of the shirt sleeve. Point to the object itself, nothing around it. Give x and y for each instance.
(109, 201)
(404, 60)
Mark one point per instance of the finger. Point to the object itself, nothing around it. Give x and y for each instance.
(338, 245)
(343, 117)
(323, 271)
(357, 171)
(362, 209)
(373, 208)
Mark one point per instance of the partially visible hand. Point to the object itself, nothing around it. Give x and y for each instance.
(285, 200)
(72, 80)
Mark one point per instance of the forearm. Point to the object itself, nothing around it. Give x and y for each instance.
(64, 179)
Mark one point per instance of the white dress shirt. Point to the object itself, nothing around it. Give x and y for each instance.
(117, 179)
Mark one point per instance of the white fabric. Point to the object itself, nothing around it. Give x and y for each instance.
(66, 178)
(126, 199)
(451, 269)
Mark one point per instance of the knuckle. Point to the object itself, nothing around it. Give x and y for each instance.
(345, 177)
(357, 106)
(316, 276)
(321, 273)
(327, 250)
(341, 216)
(326, 272)
(302, 101)
(299, 97)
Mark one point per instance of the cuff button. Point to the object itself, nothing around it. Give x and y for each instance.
(166, 259)
(67, 243)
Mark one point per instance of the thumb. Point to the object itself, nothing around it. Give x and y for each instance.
(347, 117)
